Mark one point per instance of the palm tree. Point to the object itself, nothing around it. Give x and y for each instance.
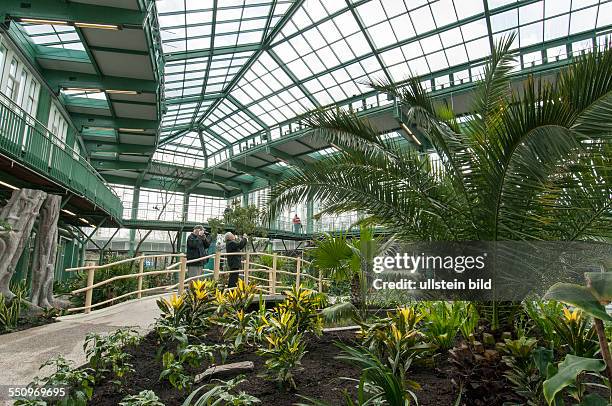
(528, 165)
(534, 164)
(349, 259)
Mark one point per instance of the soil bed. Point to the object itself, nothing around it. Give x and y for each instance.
(320, 378)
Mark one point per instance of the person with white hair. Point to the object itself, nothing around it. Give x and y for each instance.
(234, 261)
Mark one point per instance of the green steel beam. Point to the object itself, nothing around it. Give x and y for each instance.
(366, 34)
(279, 26)
(71, 11)
(294, 79)
(247, 112)
(67, 79)
(103, 164)
(226, 50)
(208, 61)
(287, 157)
(95, 146)
(255, 172)
(85, 120)
(219, 181)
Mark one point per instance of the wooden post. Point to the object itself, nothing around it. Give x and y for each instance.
(89, 292)
(273, 276)
(217, 265)
(140, 273)
(320, 281)
(182, 272)
(247, 259)
(298, 268)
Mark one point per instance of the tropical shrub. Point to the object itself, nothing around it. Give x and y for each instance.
(78, 383)
(9, 313)
(221, 393)
(527, 368)
(305, 305)
(378, 384)
(192, 310)
(174, 372)
(590, 300)
(105, 353)
(144, 398)
(396, 340)
(442, 322)
(285, 347)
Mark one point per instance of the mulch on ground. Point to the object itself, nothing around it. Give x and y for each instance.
(321, 377)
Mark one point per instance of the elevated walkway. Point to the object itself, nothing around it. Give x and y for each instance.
(32, 156)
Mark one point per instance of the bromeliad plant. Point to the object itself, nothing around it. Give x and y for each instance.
(527, 368)
(442, 322)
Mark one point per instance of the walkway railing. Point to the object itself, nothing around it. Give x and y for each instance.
(269, 279)
(29, 142)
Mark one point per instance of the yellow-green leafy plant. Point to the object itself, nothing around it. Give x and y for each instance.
(283, 347)
(396, 340)
(305, 305)
(172, 310)
(442, 322)
(232, 312)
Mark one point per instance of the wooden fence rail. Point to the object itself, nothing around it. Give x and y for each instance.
(267, 285)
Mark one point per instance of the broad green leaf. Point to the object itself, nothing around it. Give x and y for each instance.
(593, 400)
(542, 357)
(569, 369)
(600, 284)
(578, 296)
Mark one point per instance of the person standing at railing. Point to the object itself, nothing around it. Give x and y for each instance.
(234, 261)
(197, 247)
(297, 224)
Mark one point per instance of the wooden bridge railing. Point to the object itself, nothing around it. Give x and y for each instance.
(252, 273)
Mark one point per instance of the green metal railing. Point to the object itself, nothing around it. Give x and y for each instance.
(29, 142)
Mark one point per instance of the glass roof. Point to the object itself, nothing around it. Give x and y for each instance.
(237, 69)
(56, 36)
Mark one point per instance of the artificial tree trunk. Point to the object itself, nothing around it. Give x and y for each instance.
(45, 253)
(17, 219)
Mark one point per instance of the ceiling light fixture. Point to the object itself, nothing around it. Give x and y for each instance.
(98, 26)
(43, 21)
(81, 89)
(113, 91)
(85, 221)
(132, 130)
(68, 212)
(407, 130)
(8, 185)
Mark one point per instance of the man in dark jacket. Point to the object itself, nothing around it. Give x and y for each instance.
(197, 247)
(234, 261)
